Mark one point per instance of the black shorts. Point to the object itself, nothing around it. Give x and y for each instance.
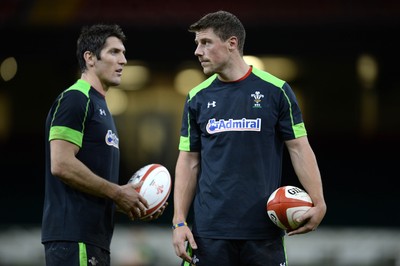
(75, 254)
(227, 252)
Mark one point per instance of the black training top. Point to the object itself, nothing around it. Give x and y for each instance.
(239, 128)
(80, 115)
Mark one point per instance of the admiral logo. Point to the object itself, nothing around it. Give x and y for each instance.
(222, 125)
(112, 139)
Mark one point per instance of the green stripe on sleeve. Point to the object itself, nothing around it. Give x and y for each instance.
(84, 87)
(184, 144)
(66, 133)
(82, 254)
(299, 130)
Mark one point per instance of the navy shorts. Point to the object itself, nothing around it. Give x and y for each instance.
(75, 254)
(228, 252)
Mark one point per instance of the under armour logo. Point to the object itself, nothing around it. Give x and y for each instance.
(211, 104)
(282, 264)
(194, 260)
(93, 261)
(102, 112)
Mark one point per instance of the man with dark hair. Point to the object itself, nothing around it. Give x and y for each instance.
(82, 158)
(235, 125)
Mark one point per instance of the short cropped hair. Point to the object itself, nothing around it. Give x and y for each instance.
(224, 24)
(93, 38)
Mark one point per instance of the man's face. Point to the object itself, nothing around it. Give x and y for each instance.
(109, 67)
(213, 53)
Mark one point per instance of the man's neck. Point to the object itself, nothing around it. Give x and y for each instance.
(94, 82)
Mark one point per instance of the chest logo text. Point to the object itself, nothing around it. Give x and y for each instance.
(222, 125)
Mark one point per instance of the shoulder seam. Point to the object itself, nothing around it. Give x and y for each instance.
(81, 86)
(201, 86)
(268, 77)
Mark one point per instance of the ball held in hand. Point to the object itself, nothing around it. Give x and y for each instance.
(156, 186)
(286, 204)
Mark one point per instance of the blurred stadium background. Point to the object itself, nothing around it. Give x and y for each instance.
(341, 58)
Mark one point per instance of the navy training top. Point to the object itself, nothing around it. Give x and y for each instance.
(80, 115)
(239, 128)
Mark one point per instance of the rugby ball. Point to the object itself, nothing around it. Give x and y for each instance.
(286, 204)
(156, 186)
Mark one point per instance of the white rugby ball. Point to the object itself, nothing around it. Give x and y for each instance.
(286, 204)
(156, 186)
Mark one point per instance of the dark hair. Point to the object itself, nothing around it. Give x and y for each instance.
(224, 24)
(93, 38)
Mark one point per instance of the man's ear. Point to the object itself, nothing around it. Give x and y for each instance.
(89, 58)
(233, 43)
